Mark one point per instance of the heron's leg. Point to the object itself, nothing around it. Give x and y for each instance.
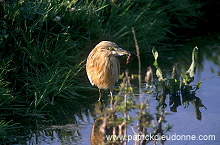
(100, 95)
(111, 99)
(111, 92)
(52, 101)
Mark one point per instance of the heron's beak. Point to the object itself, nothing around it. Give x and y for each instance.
(120, 52)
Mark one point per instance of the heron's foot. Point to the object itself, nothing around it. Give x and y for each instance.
(100, 96)
(99, 99)
(52, 101)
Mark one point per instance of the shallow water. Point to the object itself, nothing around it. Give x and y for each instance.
(185, 121)
(75, 127)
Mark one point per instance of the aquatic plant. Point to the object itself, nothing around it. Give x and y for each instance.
(179, 86)
(112, 121)
(43, 45)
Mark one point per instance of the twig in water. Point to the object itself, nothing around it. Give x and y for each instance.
(139, 59)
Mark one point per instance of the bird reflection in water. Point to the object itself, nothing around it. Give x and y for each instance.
(106, 125)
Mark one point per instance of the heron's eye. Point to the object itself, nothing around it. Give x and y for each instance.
(112, 48)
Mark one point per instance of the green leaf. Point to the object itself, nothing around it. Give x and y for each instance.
(189, 75)
(155, 53)
(198, 84)
(192, 68)
(158, 71)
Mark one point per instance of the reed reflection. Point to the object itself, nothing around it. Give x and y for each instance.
(126, 116)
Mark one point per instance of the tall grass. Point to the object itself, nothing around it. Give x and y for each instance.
(43, 44)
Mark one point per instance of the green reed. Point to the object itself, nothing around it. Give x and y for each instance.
(43, 44)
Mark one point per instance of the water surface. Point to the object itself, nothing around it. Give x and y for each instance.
(73, 127)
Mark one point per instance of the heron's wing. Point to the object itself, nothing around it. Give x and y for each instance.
(97, 67)
(115, 68)
(90, 66)
(102, 68)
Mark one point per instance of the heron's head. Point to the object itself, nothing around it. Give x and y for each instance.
(114, 48)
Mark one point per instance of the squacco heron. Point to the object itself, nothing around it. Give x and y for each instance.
(102, 65)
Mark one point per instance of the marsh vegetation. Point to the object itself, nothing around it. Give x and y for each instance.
(43, 46)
